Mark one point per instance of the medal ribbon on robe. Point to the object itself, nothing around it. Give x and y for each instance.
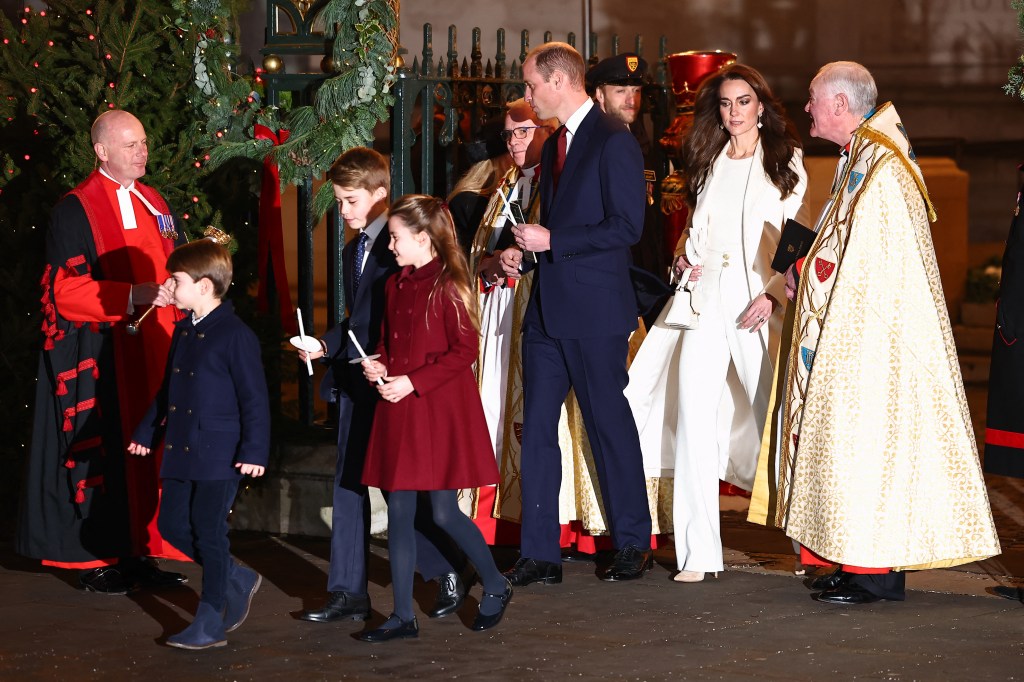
(270, 242)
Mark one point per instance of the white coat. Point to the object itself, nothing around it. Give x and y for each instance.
(653, 389)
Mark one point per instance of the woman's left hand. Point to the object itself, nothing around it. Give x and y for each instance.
(395, 388)
(757, 313)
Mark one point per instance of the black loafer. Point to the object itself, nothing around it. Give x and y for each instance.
(1015, 593)
(528, 571)
(576, 556)
(103, 580)
(836, 578)
(144, 572)
(630, 563)
(486, 622)
(849, 594)
(451, 592)
(393, 628)
(340, 606)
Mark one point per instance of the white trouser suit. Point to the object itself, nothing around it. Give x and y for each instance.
(702, 445)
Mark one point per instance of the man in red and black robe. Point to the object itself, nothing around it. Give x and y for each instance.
(1004, 432)
(86, 505)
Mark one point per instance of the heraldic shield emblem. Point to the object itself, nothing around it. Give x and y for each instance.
(823, 269)
(632, 63)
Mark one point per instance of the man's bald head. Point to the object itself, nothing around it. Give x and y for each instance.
(119, 141)
(109, 121)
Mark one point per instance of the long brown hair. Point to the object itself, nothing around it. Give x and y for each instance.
(422, 213)
(705, 139)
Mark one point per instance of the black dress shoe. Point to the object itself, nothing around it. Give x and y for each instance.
(451, 592)
(847, 594)
(340, 606)
(393, 628)
(144, 572)
(1015, 593)
(528, 571)
(486, 622)
(576, 556)
(630, 563)
(103, 580)
(836, 578)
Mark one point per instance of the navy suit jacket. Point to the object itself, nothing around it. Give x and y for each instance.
(365, 316)
(214, 399)
(582, 283)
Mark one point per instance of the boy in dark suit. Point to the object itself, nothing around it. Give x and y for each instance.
(362, 183)
(214, 415)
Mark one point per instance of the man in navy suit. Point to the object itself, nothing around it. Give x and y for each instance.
(361, 180)
(581, 312)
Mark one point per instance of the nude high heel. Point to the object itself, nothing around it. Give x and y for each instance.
(691, 576)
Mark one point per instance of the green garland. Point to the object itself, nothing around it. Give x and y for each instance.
(1015, 79)
(345, 110)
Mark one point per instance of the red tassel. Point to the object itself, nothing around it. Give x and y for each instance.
(69, 463)
(48, 344)
(62, 389)
(80, 492)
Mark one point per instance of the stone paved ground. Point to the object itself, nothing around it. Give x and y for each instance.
(757, 621)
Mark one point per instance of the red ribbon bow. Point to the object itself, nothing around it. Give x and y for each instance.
(270, 242)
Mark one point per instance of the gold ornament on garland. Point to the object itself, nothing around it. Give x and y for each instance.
(273, 64)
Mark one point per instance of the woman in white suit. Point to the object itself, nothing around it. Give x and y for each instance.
(745, 172)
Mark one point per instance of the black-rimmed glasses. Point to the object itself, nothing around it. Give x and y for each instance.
(518, 133)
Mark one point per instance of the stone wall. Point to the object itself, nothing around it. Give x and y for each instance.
(942, 62)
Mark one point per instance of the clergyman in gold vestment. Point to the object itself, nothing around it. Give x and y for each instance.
(873, 464)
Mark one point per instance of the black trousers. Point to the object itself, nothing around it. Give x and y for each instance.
(891, 585)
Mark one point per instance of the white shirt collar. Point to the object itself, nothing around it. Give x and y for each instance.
(375, 227)
(573, 122)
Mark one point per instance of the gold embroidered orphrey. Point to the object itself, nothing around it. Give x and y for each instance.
(874, 462)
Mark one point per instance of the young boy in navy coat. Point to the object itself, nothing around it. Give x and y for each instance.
(214, 416)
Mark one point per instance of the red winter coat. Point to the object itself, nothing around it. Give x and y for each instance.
(435, 438)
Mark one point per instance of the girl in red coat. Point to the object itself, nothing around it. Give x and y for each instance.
(429, 433)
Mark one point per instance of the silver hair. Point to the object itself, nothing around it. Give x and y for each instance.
(851, 79)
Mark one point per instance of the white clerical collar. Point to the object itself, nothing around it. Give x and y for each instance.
(110, 177)
(124, 202)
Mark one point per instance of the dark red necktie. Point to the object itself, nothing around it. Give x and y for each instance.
(556, 169)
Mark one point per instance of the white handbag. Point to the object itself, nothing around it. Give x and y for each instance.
(681, 314)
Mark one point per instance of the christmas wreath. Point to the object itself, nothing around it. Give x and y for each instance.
(306, 139)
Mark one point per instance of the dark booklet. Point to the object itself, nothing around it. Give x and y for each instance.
(795, 243)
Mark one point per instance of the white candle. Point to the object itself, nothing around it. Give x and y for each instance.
(362, 353)
(302, 339)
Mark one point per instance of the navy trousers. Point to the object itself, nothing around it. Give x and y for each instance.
(193, 517)
(596, 369)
